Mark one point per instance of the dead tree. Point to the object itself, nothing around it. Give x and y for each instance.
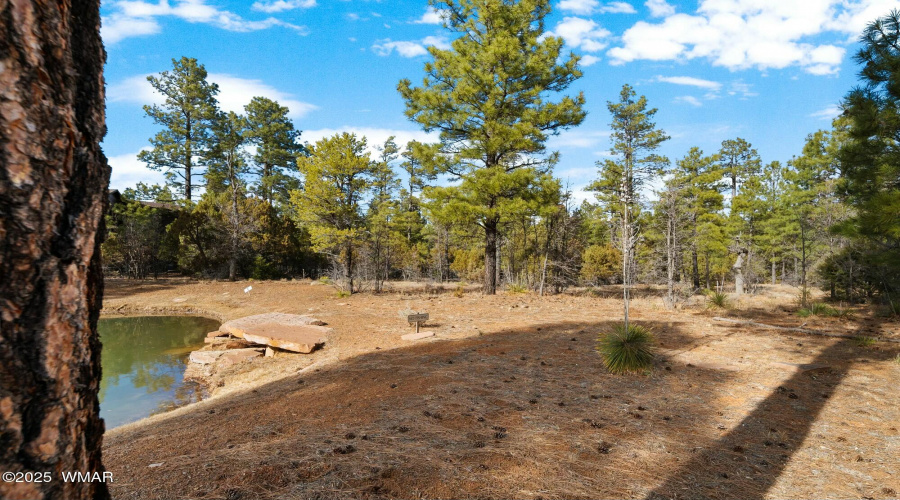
(53, 181)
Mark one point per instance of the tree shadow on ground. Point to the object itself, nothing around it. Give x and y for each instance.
(748, 460)
(522, 413)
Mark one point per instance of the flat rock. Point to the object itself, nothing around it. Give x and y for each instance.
(205, 357)
(236, 356)
(239, 325)
(290, 332)
(417, 336)
(212, 335)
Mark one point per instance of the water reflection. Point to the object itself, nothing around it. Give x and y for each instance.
(143, 364)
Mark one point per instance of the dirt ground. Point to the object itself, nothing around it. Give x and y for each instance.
(510, 400)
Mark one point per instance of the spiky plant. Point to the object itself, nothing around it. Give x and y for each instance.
(822, 309)
(864, 341)
(718, 299)
(626, 351)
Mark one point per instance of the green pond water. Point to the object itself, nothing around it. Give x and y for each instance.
(143, 363)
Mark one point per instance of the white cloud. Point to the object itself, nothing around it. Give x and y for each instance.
(271, 6)
(136, 18)
(659, 8)
(829, 113)
(375, 137)
(689, 99)
(576, 138)
(582, 7)
(588, 60)
(585, 7)
(618, 8)
(690, 81)
(234, 93)
(431, 16)
(127, 171)
(409, 48)
(581, 33)
(741, 34)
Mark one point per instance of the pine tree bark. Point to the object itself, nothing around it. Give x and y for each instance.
(53, 182)
(491, 231)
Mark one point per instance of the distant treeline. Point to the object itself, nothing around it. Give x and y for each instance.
(272, 207)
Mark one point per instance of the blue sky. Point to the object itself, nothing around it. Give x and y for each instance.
(770, 71)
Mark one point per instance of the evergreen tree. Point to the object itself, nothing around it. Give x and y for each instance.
(807, 182)
(635, 140)
(337, 177)
(227, 164)
(277, 146)
(870, 159)
(187, 117)
(701, 179)
(489, 97)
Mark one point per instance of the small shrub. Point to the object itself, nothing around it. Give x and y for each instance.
(718, 299)
(460, 290)
(817, 309)
(864, 341)
(516, 288)
(626, 351)
(844, 313)
(325, 280)
(342, 294)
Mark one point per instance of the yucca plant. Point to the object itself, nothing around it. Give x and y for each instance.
(718, 299)
(625, 351)
(864, 341)
(822, 309)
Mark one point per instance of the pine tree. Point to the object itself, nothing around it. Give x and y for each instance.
(277, 147)
(187, 117)
(489, 96)
(870, 160)
(635, 140)
(337, 177)
(701, 178)
(741, 166)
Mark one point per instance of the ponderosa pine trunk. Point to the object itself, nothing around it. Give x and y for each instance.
(490, 256)
(53, 183)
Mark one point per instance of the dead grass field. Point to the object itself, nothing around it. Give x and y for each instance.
(510, 400)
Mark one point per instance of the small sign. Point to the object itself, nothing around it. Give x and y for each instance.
(417, 318)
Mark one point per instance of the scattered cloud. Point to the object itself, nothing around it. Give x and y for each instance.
(375, 137)
(583, 7)
(588, 60)
(690, 81)
(132, 18)
(689, 99)
(742, 34)
(586, 7)
(617, 8)
(431, 16)
(659, 8)
(581, 33)
(409, 48)
(271, 6)
(234, 93)
(127, 171)
(742, 89)
(829, 113)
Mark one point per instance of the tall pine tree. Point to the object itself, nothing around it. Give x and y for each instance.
(489, 97)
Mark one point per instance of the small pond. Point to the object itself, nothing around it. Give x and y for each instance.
(143, 363)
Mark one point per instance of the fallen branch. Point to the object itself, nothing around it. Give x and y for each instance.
(795, 329)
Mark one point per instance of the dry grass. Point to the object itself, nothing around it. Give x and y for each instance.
(511, 401)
